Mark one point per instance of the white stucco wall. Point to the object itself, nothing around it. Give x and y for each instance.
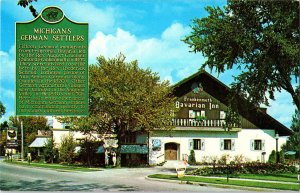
(59, 134)
(212, 147)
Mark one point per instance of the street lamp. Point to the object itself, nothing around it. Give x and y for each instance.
(277, 156)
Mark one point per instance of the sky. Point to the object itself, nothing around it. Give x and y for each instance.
(149, 31)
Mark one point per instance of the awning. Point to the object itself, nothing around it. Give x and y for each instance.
(128, 149)
(39, 142)
(100, 149)
(138, 149)
(290, 153)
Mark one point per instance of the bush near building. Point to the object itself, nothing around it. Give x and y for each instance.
(66, 150)
(192, 158)
(247, 168)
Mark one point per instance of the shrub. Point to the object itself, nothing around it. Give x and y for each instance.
(205, 160)
(192, 159)
(66, 150)
(213, 159)
(239, 159)
(272, 157)
(247, 168)
(50, 153)
(223, 159)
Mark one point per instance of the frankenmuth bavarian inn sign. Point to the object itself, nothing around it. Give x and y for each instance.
(51, 65)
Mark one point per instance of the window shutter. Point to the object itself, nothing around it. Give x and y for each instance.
(233, 144)
(202, 144)
(222, 144)
(191, 144)
(263, 145)
(252, 144)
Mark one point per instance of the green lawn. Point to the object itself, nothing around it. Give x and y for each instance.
(275, 177)
(245, 182)
(55, 166)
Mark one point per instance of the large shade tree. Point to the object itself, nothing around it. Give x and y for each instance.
(260, 38)
(124, 99)
(2, 109)
(31, 125)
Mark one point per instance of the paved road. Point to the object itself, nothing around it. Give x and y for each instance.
(20, 178)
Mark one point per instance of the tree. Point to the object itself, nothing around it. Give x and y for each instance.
(192, 158)
(125, 99)
(50, 152)
(67, 149)
(3, 125)
(260, 38)
(87, 153)
(25, 3)
(293, 142)
(2, 109)
(31, 125)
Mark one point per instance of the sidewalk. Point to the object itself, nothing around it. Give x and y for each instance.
(253, 180)
(243, 188)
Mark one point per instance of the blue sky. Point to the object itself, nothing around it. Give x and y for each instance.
(149, 31)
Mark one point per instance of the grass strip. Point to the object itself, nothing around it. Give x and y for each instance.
(54, 166)
(281, 177)
(245, 183)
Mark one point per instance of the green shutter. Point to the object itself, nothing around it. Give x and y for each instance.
(252, 144)
(191, 144)
(221, 144)
(202, 144)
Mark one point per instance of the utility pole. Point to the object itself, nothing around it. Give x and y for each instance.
(22, 142)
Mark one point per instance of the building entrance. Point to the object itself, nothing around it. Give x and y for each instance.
(171, 151)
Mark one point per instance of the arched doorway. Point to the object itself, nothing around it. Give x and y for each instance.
(171, 151)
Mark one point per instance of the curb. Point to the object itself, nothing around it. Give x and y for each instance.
(50, 169)
(218, 185)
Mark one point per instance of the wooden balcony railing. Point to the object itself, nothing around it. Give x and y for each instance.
(197, 123)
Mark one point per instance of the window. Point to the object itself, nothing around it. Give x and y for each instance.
(257, 145)
(193, 114)
(227, 144)
(197, 144)
(222, 114)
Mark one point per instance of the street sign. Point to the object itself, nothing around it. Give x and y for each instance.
(12, 137)
(52, 65)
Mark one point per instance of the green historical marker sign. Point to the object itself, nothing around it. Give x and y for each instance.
(52, 65)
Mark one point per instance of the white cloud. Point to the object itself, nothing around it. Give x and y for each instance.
(103, 19)
(98, 19)
(7, 81)
(7, 68)
(167, 55)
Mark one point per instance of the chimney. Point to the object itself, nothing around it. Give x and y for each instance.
(264, 110)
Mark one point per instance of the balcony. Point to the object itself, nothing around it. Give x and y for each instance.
(196, 123)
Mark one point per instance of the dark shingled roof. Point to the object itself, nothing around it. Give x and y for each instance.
(220, 91)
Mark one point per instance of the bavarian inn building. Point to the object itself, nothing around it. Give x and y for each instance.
(202, 96)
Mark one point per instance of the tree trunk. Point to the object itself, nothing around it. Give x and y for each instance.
(118, 153)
